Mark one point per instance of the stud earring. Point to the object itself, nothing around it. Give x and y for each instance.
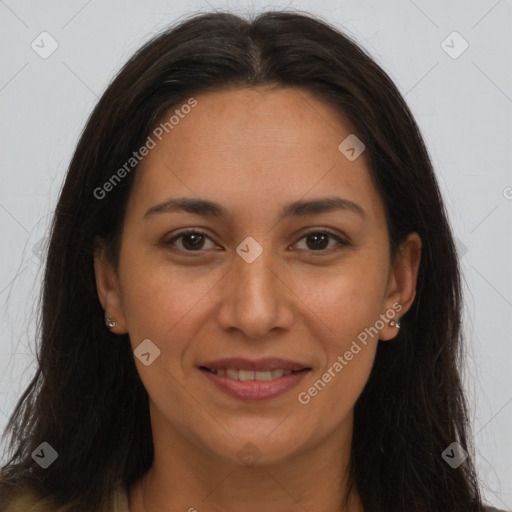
(109, 322)
(396, 323)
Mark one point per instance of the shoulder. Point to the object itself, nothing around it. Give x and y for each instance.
(492, 509)
(31, 501)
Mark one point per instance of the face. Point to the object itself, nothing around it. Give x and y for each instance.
(282, 293)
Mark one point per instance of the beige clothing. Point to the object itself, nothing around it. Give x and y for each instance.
(30, 502)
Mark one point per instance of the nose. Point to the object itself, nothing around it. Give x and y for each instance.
(256, 298)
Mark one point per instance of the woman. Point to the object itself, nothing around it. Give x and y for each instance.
(252, 299)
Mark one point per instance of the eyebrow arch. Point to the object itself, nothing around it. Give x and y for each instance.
(297, 208)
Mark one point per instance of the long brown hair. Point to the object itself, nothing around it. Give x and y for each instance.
(86, 399)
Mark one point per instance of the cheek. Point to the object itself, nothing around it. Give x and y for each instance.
(346, 300)
(347, 311)
(329, 398)
(347, 306)
(161, 300)
(145, 293)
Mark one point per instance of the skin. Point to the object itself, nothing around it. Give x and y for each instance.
(253, 151)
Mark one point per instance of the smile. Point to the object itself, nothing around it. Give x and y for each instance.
(256, 380)
(246, 375)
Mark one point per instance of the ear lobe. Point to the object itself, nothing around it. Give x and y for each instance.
(402, 282)
(107, 286)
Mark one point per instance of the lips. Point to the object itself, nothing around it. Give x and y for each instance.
(247, 379)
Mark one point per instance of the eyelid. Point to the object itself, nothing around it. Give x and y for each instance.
(342, 240)
(183, 233)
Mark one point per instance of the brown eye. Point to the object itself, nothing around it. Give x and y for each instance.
(194, 240)
(191, 241)
(318, 241)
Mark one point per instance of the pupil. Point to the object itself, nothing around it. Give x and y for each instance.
(197, 238)
(316, 237)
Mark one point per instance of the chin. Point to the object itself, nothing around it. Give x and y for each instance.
(251, 449)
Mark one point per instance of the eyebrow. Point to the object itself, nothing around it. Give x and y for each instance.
(297, 208)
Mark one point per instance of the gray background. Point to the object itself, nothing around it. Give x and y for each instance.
(463, 106)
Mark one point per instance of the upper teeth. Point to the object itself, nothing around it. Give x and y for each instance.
(245, 375)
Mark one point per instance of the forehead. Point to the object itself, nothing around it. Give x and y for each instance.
(254, 147)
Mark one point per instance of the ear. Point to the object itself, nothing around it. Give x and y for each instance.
(107, 286)
(401, 288)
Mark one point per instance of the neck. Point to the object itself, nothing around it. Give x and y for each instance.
(247, 490)
(186, 478)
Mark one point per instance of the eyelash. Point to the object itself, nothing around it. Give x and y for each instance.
(193, 231)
